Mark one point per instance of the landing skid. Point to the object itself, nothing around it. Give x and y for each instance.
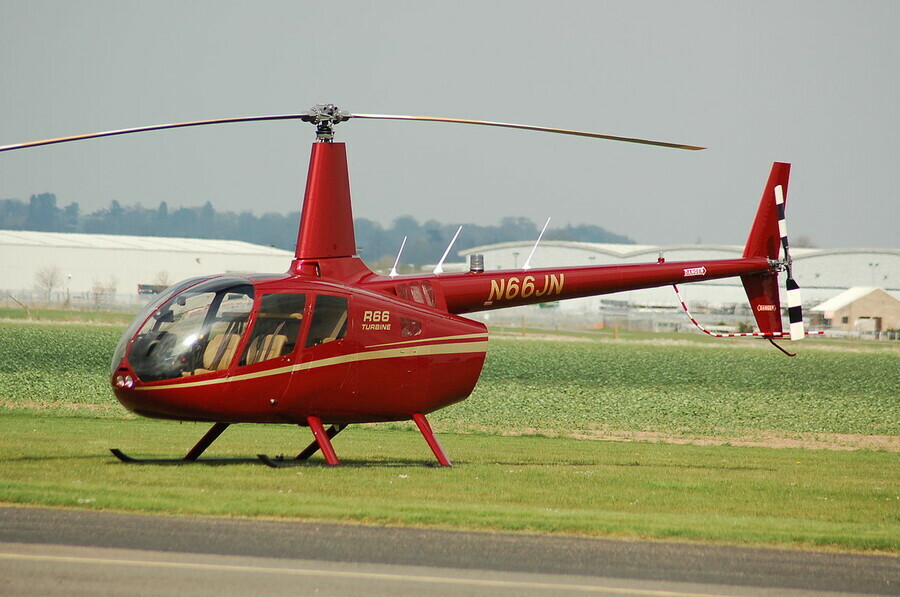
(212, 435)
(178, 461)
(279, 461)
(126, 458)
(322, 442)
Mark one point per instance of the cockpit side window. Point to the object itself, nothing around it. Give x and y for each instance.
(429, 292)
(416, 291)
(277, 328)
(329, 320)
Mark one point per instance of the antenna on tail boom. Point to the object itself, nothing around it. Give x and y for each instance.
(534, 248)
(439, 268)
(393, 273)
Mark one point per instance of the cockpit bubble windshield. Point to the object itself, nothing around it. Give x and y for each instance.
(195, 331)
(152, 306)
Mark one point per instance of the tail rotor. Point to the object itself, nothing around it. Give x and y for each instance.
(763, 290)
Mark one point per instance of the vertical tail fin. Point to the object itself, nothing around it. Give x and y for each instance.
(762, 290)
(767, 236)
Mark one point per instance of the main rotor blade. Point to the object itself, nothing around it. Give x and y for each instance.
(157, 127)
(528, 127)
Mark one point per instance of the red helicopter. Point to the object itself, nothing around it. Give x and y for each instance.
(331, 343)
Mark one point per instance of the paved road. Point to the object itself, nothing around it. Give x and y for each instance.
(65, 552)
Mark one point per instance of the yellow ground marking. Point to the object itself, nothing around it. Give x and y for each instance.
(412, 578)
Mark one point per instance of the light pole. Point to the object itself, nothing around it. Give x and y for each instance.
(873, 267)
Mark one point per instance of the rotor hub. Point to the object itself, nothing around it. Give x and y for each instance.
(325, 117)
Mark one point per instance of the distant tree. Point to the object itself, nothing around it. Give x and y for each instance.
(43, 215)
(13, 214)
(206, 222)
(47, 279)
(183, 223)
(587, 233)
(247, 224)
(115, 219)
(804, 241)
(278, 230)
(225, 225)
(405, 226)
(70, 217)
(162, 279)
(518, 228)
(373, 241)
(102, 293)
(425, 242)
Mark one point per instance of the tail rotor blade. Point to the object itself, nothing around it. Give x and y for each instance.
(782, 226)
(795, 311)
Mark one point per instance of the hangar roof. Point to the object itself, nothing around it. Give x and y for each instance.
(845, 298)
(134, 243)
(625, 251)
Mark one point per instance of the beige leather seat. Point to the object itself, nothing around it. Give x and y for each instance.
(266, 347)
(219, 353)
(336, 331)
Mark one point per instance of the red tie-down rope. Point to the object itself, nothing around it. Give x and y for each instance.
(768, 336)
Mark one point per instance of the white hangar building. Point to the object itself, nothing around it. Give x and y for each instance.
(123, 268)
(821, 273)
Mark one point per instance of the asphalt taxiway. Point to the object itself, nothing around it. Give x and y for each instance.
(46, 551)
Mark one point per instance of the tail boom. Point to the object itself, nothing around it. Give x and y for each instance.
(471, 292)
(758, 269)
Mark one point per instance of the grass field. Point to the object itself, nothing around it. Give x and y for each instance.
(519, 467)
(46, 315)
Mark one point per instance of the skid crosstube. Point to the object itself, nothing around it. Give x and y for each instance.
(315, 446)
(323, 442)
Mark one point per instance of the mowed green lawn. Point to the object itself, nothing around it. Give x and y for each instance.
(518, 467)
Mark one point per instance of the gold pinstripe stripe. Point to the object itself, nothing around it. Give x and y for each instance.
(390, 353)
(460, 337)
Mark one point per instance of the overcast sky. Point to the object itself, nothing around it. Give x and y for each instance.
(813, 83)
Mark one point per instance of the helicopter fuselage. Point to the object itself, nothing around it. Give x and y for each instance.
(282, 348)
